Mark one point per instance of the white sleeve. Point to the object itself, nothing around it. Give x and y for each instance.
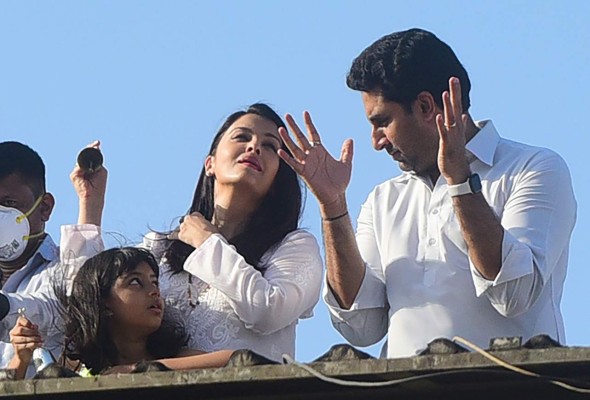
(288, 289)
(41, 308)
(367, 320)
(78, 243)
(538, 219)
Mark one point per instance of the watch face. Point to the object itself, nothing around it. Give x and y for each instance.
(475, 183)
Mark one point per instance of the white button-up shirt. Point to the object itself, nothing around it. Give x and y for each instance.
(419, 282)
(31, 287)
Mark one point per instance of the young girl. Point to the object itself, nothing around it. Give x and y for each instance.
(115, 317)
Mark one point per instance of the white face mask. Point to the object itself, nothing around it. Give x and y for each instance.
(15, 231)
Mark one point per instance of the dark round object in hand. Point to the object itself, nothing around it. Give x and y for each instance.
(90, 159)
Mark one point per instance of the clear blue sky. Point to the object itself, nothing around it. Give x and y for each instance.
(153, 80)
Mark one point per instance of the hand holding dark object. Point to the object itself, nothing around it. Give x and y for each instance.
(90, 180)
(90, 160)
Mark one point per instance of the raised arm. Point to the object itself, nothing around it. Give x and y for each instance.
(328, 179)
(90, 188)
(514, 256)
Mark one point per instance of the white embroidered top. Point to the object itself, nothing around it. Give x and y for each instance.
(228, 304)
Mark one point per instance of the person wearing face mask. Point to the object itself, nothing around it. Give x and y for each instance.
(29, 258)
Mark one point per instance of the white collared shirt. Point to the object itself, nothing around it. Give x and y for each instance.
(419, 282)
(31, 287)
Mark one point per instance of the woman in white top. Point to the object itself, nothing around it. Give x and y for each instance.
(238, 271)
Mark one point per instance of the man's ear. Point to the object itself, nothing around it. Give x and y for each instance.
(46, 206)
(426, 107)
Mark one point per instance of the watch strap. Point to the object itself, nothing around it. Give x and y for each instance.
(466, 187)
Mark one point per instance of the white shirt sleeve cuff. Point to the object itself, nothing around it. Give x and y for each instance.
(371, 295)
(78, 243)
(517, 261)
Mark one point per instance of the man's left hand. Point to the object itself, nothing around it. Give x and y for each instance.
(452, 159)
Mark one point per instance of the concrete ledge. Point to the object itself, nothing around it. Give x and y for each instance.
(466, 373)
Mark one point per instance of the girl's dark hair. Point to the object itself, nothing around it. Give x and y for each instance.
(277, 215)
(84, 312)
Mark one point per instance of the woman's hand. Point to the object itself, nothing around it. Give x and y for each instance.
(195, 229)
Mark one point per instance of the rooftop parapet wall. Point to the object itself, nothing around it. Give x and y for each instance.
(459, 375)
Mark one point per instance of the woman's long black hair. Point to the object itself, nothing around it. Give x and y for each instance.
(87, 336)
(277, 215)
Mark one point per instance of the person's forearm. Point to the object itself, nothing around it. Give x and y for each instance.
(482, 233)
(90, 211)
(19, 366)
(216, 359)
(344, 264)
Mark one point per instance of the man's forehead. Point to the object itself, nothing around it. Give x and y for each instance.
(15, 185)
(376, 105)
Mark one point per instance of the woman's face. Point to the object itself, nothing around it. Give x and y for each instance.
(135, 302)
(246, 156)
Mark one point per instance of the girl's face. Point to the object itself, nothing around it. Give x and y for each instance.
(247, 155)
(135, 303)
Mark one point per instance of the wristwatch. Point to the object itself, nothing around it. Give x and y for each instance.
(470, 186)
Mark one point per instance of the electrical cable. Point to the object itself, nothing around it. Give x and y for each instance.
(516, 369)
(512, 368)
(344, 382)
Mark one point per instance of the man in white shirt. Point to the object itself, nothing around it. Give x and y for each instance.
(29, 258)
(471, 240)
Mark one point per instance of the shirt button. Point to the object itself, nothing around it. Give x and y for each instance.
(432, 241)
(435, 211)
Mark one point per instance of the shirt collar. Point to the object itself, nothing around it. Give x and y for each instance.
(48, 249)
(483, 145)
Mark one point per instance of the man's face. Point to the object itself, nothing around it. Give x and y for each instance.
(16, 193)
(411, 140)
